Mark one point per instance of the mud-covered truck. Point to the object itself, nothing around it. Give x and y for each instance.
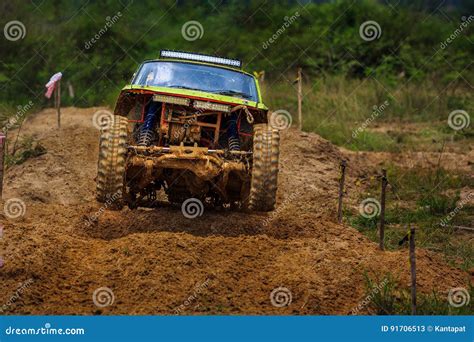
(193, 126)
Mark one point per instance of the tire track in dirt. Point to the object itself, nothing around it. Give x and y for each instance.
(155, 260)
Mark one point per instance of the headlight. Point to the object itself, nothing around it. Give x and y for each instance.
(172, 99)
(211, 106)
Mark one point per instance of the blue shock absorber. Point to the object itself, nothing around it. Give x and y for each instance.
(147, 132)
(233, 133)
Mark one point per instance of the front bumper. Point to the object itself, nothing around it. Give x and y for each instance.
(205, 163)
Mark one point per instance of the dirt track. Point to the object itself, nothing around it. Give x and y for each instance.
(156, 261)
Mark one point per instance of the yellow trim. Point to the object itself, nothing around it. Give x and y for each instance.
(196, 93)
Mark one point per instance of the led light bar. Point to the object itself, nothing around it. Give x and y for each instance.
(171, 99)
(200, 58)
(212, 106)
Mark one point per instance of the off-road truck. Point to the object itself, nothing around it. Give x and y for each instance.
(194, 126)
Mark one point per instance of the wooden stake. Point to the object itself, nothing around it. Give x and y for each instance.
(3, 140)
(300, 99)
(341, 190)
(70, 89)
(413, 271)
(382, 210)
(58, 102)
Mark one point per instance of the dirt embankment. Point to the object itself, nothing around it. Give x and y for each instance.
(158, 262)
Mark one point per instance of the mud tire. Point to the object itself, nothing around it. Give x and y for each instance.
(111, 164)
(264, 181)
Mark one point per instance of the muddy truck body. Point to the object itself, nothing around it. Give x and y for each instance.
(193, 126)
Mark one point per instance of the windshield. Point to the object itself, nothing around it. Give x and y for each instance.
(197, 77)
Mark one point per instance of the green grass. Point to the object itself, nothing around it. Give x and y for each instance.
(26, 148)
(388, 297)
(366, 141)
(420, 198)
(335, 107)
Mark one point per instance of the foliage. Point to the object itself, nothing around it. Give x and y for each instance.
(324, 39)
(423, 198)
(27, 148)
(336, 107)
(388, 297)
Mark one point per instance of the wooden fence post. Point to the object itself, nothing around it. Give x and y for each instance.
(341, 190)
(300, 99)
(70, 89)
(58, 102)
(413, 271)
(3, 140)
(382, 210)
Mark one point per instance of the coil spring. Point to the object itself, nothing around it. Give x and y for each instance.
(233, 133)
(147, 134)
(234, 144)
(145, 137)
